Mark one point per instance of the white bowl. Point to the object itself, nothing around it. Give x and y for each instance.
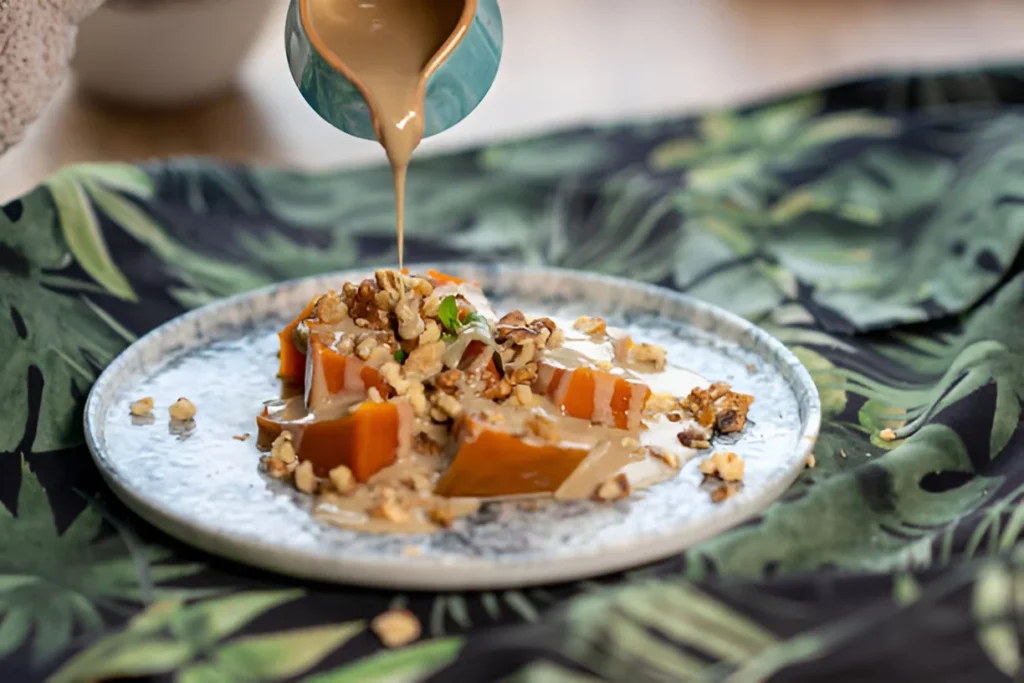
(166, 53)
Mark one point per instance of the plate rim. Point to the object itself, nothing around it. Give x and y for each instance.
(463, 572)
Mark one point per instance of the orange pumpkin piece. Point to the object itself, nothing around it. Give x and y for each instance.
(330, 374)
(366, 441)
(443, 278)
(293, 362)
(595, 395)
(493, 462)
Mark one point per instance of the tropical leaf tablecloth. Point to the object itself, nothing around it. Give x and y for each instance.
(875, 228)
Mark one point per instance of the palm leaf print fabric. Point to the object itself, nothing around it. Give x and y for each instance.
(874, 227)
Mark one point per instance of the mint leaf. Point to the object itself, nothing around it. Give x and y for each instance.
(474, 317)
(448, 313)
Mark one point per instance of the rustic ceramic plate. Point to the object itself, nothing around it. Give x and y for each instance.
(205, 488)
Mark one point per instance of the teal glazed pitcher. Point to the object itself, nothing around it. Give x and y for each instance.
(453, 90)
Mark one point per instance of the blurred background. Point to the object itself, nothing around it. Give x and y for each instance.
(159, 78)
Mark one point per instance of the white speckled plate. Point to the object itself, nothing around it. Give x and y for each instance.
(205, 488)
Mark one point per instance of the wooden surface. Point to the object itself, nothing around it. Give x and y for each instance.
(565, 62)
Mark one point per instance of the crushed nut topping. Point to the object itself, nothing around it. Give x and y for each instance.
(182, 410)
(342, 479)
(723, 464)
(651, 354)
(588, 325)
(241, 437)
(887, 434)
(305, 480)
(694, 436)
(724, 492)
(440, 382)
(396, 628)
(142, 407)
(615, 488)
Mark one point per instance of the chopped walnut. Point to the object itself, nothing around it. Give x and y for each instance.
(412, 551)
(142, 407)
(524, 396)
(497, 389)
(380, 356)
(276, 468)
(516, 335)
(651, 354)
(674, 417)
(448, 381)
(556, 339)
(391, 283)
(448, 404)
(724, 465)
(512, 319)
(431, 306)
(693, 436)
(330, 308)
(442, 515)
(731, 411)
(588, 325)
(305, 480)
(667, 457)
(629, 442)
(421, 287)
(342, 479)
(366, 346)
(810, 461)
(410, 324)
(241, 437)
(392, 374)
(416, 395)
(347, 345)
(282, 448)
(396, 627)
(390, 510)
(182, 410)
(700, 406)
(526, 352)
(661, 403)
(424, 444)
(425, 360)
(718, 389)
(431, 333)
(887, 434)
(615, 488)
(543, 427)
(724, 492)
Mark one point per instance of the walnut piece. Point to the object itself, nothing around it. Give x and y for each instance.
(524, 396)
(142, 407)
(448, 404)
(661, 403)
(694, 436)
(448, 381)
(543, 427)
(282, 448)
(425, 360)
(887, 434)
(615, 488)
(342, 479)
(182, 410)
(396, 627)
(650, 354)
(305, 480)
(725, 465)
(700, 406)
(431, 333)
(588, 325)
(241, 437)
(410, 324)
(330, 308)
(724, 492)
(731, 411)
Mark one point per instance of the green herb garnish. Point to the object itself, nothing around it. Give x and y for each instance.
(448, 313)
(473, 317)
(401, 355)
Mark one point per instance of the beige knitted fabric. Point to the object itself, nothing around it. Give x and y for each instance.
(36, 41)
